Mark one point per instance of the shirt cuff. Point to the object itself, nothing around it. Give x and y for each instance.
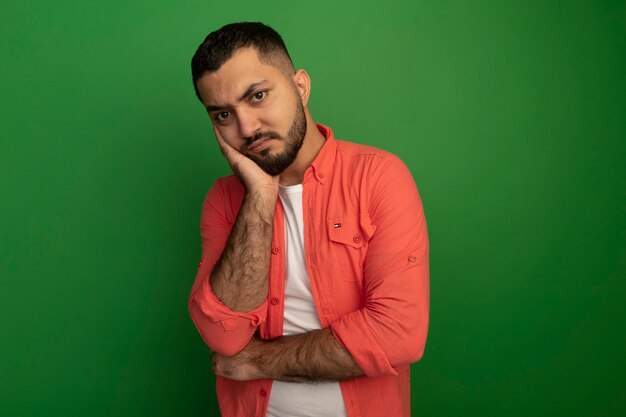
(218, 312)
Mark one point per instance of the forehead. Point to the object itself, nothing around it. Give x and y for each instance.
(240, 71)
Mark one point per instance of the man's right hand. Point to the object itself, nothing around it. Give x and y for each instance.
(249, 173)
(239, 278)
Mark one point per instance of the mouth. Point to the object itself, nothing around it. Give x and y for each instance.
(259, 145)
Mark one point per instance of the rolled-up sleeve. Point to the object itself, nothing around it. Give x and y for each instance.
(225, 331)
(390, 329)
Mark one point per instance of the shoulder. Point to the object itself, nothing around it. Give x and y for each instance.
(225, 196)
(356, 156)
(357, 149)
(230, 184)
(225, 186)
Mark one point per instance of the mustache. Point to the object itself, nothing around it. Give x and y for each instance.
(261, 135)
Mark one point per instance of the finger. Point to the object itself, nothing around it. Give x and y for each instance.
(232, 155)
(224, 147)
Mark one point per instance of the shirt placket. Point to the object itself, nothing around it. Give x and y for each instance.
(311, 215)
(276, 285)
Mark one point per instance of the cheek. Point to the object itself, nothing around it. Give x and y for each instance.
(280, 116)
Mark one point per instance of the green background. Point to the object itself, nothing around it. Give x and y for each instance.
(511, 116)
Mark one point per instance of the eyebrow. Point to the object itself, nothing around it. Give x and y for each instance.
(249, 90)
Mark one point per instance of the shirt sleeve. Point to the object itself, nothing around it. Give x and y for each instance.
(225, 331)
(390, 329)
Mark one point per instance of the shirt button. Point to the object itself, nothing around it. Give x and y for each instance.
(275, 251)
(263, 393)
(321, 175)
(412, 258)
(356, 238)
(275, 300)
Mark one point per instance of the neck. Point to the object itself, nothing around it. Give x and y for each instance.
(311, 146)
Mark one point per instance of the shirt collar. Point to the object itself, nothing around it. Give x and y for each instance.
(325, 159)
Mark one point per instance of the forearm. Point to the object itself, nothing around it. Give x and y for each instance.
(240, 276)
(311, 356)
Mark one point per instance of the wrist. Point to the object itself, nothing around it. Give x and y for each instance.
(258, 351)
(263, 201)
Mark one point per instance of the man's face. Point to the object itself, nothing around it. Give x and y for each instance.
(257, 110)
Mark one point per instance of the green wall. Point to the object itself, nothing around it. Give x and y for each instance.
(511, 116)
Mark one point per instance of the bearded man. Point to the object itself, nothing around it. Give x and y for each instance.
(313, 287)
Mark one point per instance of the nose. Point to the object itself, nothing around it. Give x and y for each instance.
(249, 123)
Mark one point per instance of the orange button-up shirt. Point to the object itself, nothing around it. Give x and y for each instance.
(366, 248)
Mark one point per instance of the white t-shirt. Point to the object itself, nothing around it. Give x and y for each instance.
(300, 399)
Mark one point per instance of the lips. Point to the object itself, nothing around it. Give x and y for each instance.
(259, 145)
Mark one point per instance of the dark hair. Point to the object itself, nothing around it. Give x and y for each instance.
(220, 45)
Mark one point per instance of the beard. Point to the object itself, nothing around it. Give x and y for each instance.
(276, 164)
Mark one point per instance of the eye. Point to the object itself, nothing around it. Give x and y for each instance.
(258, 96)
(221, 116)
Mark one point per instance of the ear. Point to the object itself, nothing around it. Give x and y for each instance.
(303, 84)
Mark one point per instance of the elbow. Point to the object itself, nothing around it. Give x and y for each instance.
(226, 346)
(226, 349)
(415, 354)
(406, 354)
(416, 335)
(418, 343)
(227, 336)
(411, 348)
(207, 332)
